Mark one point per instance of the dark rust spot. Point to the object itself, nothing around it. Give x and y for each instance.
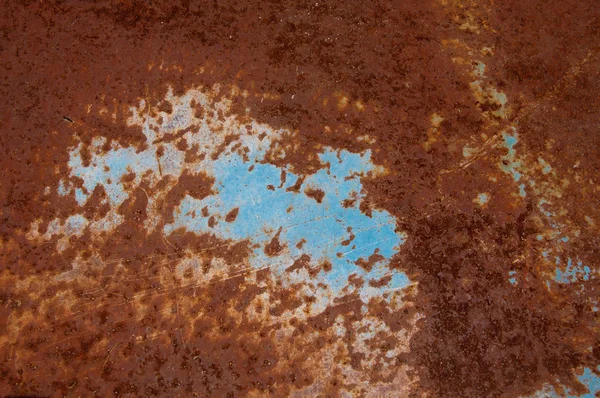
(232, 215)
(274, 247)
(367, 264)
(297, 185)
(316, 194)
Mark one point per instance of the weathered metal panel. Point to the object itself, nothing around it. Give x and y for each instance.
(300, 198)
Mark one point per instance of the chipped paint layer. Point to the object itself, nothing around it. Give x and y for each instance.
(299, 199)
(269, 202)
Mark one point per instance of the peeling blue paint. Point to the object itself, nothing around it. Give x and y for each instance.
(328, 230)
(513, 279)
(323, 226)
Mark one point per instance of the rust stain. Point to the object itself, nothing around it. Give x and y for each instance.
(480, 121)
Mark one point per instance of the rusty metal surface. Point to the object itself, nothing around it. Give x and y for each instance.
(300, 198)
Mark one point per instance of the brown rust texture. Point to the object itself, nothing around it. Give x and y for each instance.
(430, 87)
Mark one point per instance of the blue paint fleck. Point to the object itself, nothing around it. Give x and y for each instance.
(572, 273)
(509, 164)
(482, 198)
(62, 189)
(513, 279)
(510, 140)
(545, 254)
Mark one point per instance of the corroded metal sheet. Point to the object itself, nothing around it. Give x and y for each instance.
(300, 199)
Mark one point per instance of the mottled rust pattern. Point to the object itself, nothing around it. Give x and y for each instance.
(482, 119)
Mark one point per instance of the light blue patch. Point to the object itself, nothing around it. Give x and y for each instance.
(546, 167)
(62, 189)
(480, 69)
(108, 169)
(590, 380)
(516, 175)
(513, 279)
(76, 221)
(509, 164)
(483, 198)
(500, 97)
(323, 227)
(74, 225)
(266, 207)
(573, 273)
(80, 197)
(510, 140)
(399, 280)
(545, 254)
(522, 192)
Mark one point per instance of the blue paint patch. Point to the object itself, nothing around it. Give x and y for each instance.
(510, 140)
(76, 222)
(80, 197)
(480, 69)
(591, 381)
(546, 168)
(572, 273)
(332, 230)
(399, 281)
(62, 189)
(482, 199)
(324, 228)
(509, 163)
(587, 377)
(513, 279)
(545, 254)
(108, 170)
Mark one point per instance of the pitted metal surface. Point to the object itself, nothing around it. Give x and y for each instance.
(300, 198)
